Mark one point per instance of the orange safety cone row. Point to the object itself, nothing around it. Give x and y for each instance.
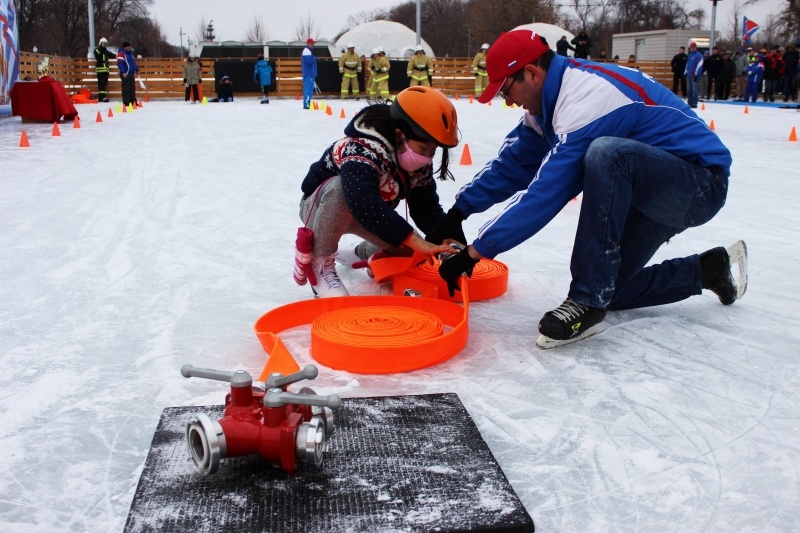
(342, 115)
(76, 124)
(56, 131)
(110, 113)
(793, 135)
(23, 140)
(99, 117)
(466, 158)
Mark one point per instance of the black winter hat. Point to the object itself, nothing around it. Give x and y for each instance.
(125, 43)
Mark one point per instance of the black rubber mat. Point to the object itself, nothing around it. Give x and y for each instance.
(395, 463)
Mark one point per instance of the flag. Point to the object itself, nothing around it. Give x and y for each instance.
(9, 58)
(748, 29)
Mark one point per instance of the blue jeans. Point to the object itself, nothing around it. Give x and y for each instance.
(692, 88)
(635, 198)
(308, 91)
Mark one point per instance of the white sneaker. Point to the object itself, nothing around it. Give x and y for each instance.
(328, 282)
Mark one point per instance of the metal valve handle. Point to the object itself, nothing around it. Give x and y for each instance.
(276, 379)
(238, 379)
(278, 398)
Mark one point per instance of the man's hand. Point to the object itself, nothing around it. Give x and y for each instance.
(449, 227)
(453, 269)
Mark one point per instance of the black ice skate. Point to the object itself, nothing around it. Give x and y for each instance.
(570, 322)
(715, 268)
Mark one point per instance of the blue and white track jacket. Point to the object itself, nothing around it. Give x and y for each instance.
(540, 164)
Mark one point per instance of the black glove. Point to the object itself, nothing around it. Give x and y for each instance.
(451, 270)
(449, 227)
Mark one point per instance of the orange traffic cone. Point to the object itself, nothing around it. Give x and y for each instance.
(342, 115)
(99, 117)
(793, 135)
(316, 106)
(746, 110)
(702, 107)
(125, 108)
(471, 98)
(455, 97)
(297, 97)
(147, 98)
(110, 113)
(711, 125)
(466, 158)
(76, 124)
(138, 104)
(56, 131)
(23, 140)
(328, 110)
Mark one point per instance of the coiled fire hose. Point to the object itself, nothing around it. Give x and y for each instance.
(384, 334)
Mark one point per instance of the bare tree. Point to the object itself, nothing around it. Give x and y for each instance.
(306, 29)
(257, 31)
(200, 30)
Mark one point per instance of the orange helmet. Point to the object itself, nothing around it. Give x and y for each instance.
(430, 114)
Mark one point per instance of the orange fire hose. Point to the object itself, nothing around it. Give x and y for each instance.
(383, 334)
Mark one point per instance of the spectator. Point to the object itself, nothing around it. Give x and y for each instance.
(562, 45)
(192, 78)
(704, 83)
(773, 74)
(603, 56)
(790, 59)
(583, 44)
(102, 56)
(625, 159)
(420, 68)
(632, 59)
(350, 68)
(479, 69)
(727, 75)
(740, 60)
(679, 71)
(694, 69)
(385, 157)
(755, 73)
(309, 69)
(262, 74)
(128, 69)
(713, 66)
(225, 90)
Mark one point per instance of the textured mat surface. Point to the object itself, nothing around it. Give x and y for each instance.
(396, 463)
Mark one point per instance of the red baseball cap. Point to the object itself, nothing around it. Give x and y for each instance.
(508, 55)
(310, 42)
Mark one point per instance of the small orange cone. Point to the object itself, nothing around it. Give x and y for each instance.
(711, 125)
(297, 97)
(76, 124)
(466, 158)
(793, 135)
(125, 108)
(746, 110)
(23, 140)
(342, 115)
(99, 117)
(328, 110)
(56, 131)
(455, 97)
(490, 102)
(138, 104)
(471, 98)
(702, 107)
(147, 98)
(110, 113)
(316, 106)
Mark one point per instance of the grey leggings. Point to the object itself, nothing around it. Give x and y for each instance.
(331, 218)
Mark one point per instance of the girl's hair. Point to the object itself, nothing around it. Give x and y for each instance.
(377, 117)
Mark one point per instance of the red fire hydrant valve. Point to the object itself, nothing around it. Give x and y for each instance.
(281, 426)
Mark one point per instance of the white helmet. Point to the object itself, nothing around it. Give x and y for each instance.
(485, 46)
(375, 51)
(418, 48)
(350, 45)
(103, 40)
(380, 49)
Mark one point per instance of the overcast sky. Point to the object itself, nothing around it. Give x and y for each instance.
(232, 18)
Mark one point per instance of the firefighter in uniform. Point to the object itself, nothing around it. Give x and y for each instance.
(479, 69)
(419, 68)
(379, 76)
(102, 55)
(350, 68)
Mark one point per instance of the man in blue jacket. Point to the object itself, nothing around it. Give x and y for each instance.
(128, 69)
(694, 69)
(648, 168)
(309, 65)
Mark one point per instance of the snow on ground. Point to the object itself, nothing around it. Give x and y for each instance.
(153, 239)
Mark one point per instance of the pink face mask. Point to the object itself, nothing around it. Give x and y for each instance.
(411, 160)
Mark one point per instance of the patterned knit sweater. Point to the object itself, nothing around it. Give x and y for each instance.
(374, 184)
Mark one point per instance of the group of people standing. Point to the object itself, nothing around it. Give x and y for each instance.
(738, 75)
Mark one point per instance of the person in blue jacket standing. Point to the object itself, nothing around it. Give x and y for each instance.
(128, 69)
(648, 168)
(694, 69)
(262, 74)
(309, 64)
(755, 74)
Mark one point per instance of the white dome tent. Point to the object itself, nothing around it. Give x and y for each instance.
(550, 32)
(397, 40)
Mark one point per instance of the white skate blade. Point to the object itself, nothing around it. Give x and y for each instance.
(738, 254)
(545, 343)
